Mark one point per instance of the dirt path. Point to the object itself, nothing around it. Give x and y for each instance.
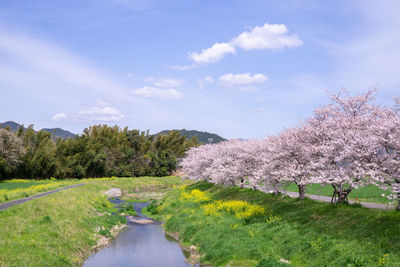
(328, 199)
(8, 204)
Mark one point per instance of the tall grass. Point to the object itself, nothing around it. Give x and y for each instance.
(61, 229)
(305, 233)
(19, 188)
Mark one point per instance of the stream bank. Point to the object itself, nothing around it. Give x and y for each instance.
(142, 243)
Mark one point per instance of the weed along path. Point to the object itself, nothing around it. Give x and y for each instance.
(143, 243)
(8, 204)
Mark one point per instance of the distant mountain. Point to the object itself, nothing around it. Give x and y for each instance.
(56, 132)
(59, 133)
(13, 125)
(202, 136)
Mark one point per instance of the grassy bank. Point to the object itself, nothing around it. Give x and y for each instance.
(369, 193)
(241, 227)
(21, 188)
(61, 229)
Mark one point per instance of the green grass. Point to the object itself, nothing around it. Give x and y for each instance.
(307, 233)
(369, 193)
(127, 209)
(17, 188)
(138, 199)
(10, 185)
(60, 229)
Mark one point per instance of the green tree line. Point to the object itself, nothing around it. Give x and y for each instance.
(101, 151)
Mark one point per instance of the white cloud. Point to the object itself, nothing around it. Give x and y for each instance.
(244, 82)
(268, 36)
(208, 79)
(164, 82)
(104, 113)
(205, 80)
(153, 92)
(212, 54)
(183, 67)
(59, 117)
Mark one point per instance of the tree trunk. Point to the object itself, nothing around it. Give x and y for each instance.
(397, 180)
(341, 194)
(398, 202)
(302, 191)
(342, 197)
(241, 183)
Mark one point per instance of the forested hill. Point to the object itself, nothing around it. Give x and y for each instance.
(59, 133)
(202, 136)
(56, 132)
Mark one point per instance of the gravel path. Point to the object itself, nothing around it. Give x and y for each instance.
(328, 199)
(8, 204)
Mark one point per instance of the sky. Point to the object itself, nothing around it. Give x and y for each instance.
(241, 69)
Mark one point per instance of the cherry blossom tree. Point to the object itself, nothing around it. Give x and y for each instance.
(238, 160)
(387, 137)
(293, 157)
(197, 162)
(344, 144)
(222, 163)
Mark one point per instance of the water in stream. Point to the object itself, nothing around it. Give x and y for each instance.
(140, 245)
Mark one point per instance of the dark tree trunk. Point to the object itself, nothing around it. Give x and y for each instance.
(397, 180)
(340, 194)
(398, 202)
(342, 197)
(241, 183)
(302, 191)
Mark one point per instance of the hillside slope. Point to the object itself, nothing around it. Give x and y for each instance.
(202, 136)
(56, 132)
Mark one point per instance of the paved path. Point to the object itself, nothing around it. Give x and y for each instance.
(8, 204)
(328, 199)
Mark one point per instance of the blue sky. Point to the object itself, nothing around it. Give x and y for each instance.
(236, 68)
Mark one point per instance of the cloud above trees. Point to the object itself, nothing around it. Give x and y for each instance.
(244, 82)
(154, 92)
(268, 36)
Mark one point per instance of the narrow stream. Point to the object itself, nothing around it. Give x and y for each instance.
(140, 245)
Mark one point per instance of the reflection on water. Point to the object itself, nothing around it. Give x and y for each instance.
(140, 246)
